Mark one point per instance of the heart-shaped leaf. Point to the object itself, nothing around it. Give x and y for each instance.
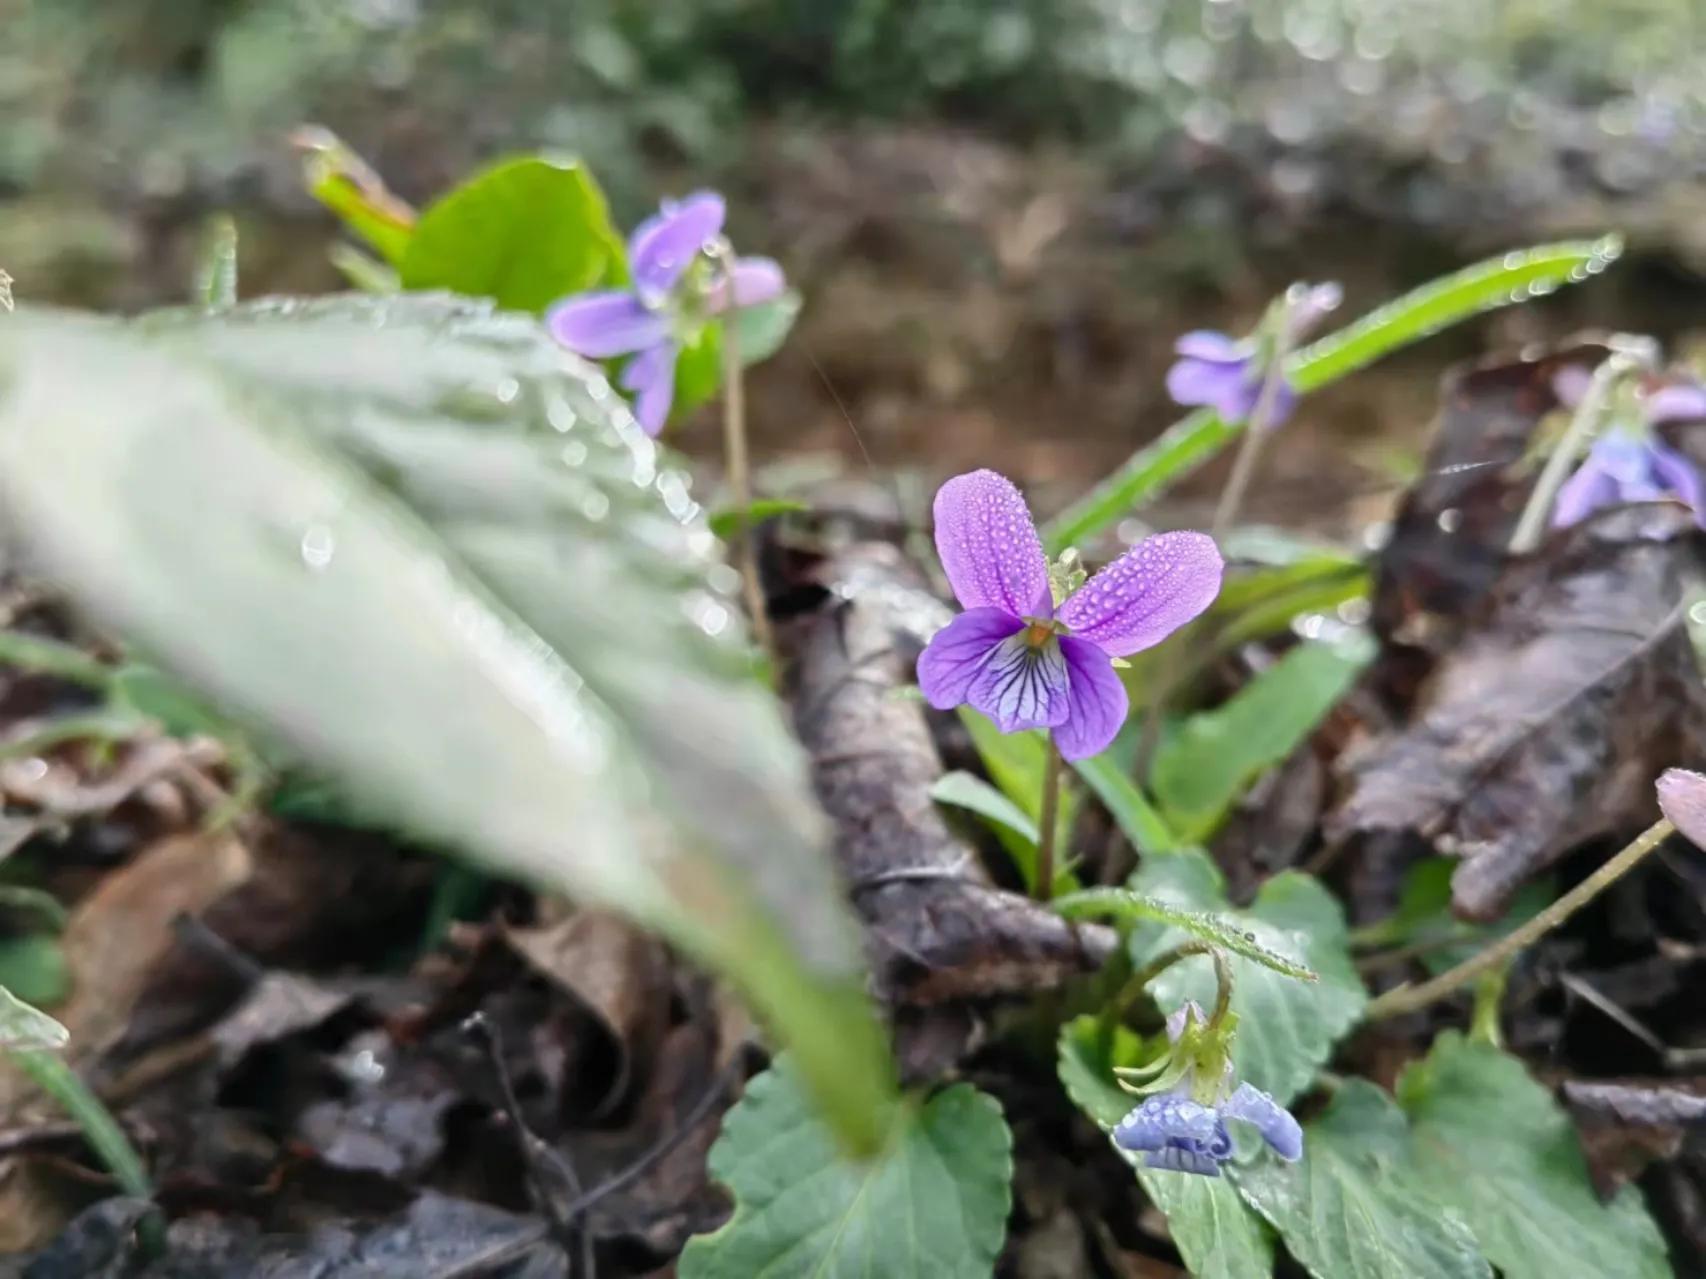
(1494, 1144)
(433, 553)
(934, 1203)
(523, 232)
(1356, 1207)
(1286, 1028)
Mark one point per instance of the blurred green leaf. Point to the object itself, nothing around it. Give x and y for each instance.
(216, 267)
(1131, 809)
(32, 967)
(975, 795)
(1286, 1028)
(1016, 764)
(524, 232)
(726, 523)
(23, 1027)
(347, 185)
(933, 1203)
(1425, 920)
(1203, 767)
(1219, 930)
(762, 329)
(1218, 1236)
(1501, 281)
(354, 521)
(1356, 1207)
(698, 372)
(1492, 1143)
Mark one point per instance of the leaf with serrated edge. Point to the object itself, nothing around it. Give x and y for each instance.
(1355, 1207)
(1286, 1028)
(429, 550)
(1221, 930)
(1494, 1144)
(1216, 1234)
(933, 1204)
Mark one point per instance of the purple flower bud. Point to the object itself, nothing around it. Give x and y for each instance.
(1228, 375)
(1682, 798)
(1183, 1135)
(1022, 662)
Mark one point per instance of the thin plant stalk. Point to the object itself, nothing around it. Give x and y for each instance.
(1048, 819)
(735, 461)
(1226, 513)
(53, 1076)
(1135, 985)
(1531, 525)
(1409, 999)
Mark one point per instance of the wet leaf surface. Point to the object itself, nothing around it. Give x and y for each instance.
(1573, 686)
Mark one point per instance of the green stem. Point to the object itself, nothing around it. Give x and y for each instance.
(1409, 999)
(51, 1074)
(735, 459)
(1048, 819)
(1139, 981)
(1531, 526)
(1489, 994)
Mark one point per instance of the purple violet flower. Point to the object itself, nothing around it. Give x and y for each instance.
(1183, 1135)
(1184, 1128)
(1019, 660)
(670, 299)
(1629, 462)
(1227, 374)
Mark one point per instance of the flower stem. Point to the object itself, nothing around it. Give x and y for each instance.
(1531, 525)
(1226, 511)
(1139, 980)
(1408, 999)
(1489, 994)
(735, 460)
(50, 1073)
(1048, 819)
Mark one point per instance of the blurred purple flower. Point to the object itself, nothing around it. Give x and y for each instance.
(1183, 1135)
(648, 321)
(1011, 655)
(1682, 798)
(1227, 374)
(1629, 462)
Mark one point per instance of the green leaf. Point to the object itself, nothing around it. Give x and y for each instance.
(1203, 768)
(1130, 808)
(698, 372)
(726, 522)
(1286, 1028)
(1493, 1143)
(23, 1027)
(524, 233)
(32, 967)
(409, 539)
(1356, 1207)
(1501, 281)
(1219, 930)
(216, 266)
(1216, 1234)
(1016, 764)
(761, 329)
(347, 185)
(934, 1203)
(963, 790)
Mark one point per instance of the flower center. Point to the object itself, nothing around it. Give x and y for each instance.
(1038, 633)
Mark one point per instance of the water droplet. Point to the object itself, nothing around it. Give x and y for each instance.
(318, 546)
(596, 507)
(1449, 520)
(574, 453)
(507, 390)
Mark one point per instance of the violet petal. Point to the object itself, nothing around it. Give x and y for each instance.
(1147, 594)
(1678, 475)
(1214, 348)
(665, 244)
(1678, 402)
(1164, 1118)
(1096, 699)
(958, 652)
(1271, 1119)
(755, 280)
(1682, 798)
(1023, 685)
(988, 544)
(1591, 487)
(651, 376)
(600, 325)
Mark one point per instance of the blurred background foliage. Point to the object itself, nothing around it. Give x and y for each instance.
(999, 210)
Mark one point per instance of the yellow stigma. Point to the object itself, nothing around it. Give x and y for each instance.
(1038, 633)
